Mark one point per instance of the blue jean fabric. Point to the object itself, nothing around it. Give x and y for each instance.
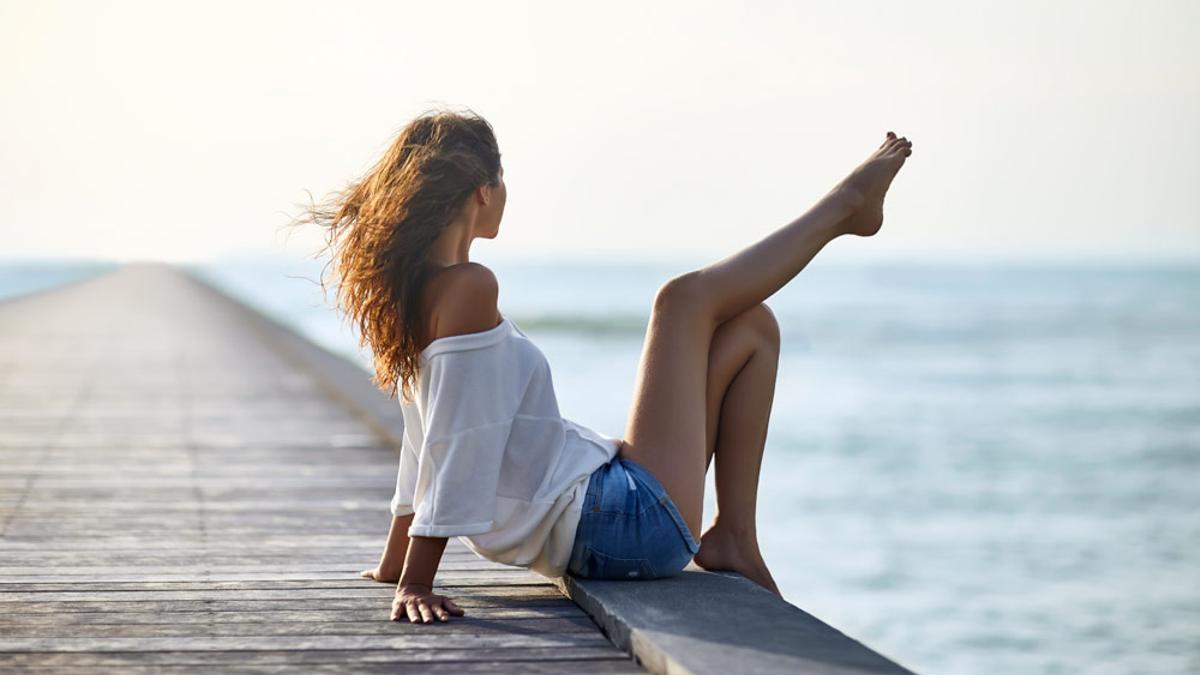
(629, 528)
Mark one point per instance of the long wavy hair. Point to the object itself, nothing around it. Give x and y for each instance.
(378, 231)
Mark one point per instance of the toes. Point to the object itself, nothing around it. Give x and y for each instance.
(902, 146)
(895, 145)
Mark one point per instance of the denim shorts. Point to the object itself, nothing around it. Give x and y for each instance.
(629, 528)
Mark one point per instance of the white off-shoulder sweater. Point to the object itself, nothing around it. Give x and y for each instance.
(488, 458)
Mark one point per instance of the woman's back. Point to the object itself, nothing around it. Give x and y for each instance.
(459, 299)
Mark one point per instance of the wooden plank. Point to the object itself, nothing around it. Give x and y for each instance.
(72, 618)
(554, 667)
(285, 625)
(445, 659)
(352, 584)
(494, 597)
(404, 636)
(83, 593)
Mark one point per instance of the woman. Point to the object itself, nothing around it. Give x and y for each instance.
(486, 456)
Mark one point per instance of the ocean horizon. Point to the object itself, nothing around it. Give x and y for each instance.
(971, 468)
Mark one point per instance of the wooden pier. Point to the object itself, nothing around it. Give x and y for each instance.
(178, 491)
(188, 485)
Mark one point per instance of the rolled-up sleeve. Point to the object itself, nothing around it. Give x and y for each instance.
(460, 497)
(471, 401)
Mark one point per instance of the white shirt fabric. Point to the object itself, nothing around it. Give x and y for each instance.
(488, 458)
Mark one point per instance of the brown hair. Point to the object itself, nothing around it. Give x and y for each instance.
(379, 230)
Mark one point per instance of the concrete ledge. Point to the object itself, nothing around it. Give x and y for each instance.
(698, 622)
(706, 622)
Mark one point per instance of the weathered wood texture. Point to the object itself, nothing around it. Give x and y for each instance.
(178, 492)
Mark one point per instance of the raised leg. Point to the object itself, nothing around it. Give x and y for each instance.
(666, 430)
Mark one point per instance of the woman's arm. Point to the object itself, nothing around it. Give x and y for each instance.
(415, 598)
(391, 563)
(466, 304)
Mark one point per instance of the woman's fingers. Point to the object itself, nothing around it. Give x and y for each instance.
(428, 609)
(426, 612)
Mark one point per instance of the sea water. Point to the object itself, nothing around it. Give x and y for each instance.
(971, 469)
(19, 277)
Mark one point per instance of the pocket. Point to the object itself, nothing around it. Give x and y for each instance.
(597, 565)
(620, 493)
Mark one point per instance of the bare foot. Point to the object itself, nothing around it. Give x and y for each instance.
(722, 551)
(867, 184)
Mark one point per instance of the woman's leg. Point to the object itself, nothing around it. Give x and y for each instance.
(742, 366)
(666, 431)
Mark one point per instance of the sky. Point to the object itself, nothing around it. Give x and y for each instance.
(191, 131)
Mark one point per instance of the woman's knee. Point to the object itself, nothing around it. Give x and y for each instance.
(756, 327)
(684, 290)
(766, 326)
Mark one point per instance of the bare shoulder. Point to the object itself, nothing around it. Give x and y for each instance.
(464, 300)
